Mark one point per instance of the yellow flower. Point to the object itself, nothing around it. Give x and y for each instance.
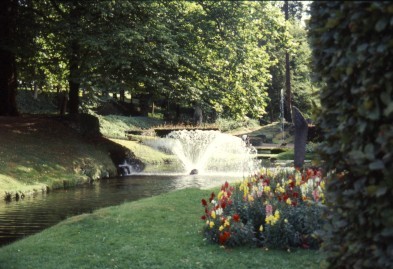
(211, 224)
(288, 201)
(221, 228)
(261, 228)
(270, 220)
(298, 177)
(220, 194)
(266, 189)
(280, 189)
(285, 220)
(250, 198)
(226, 223)
(213, 214)
(277, 214)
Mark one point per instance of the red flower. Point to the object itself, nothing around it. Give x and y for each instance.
(224, 237)
(204, 203)
(223, 204)
(295, 194)
(236, 217)
(203, 217)
(212, 197)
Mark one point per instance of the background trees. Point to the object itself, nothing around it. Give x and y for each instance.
(225, 56)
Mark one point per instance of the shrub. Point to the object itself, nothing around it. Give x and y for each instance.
(274, 210)
(353, 51)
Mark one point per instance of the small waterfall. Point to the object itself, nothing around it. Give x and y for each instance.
(209, 152)
(129, 167)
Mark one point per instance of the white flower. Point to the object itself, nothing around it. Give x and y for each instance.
(219, 211)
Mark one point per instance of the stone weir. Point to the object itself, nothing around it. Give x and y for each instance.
(163, 132)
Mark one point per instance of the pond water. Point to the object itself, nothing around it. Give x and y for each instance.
(35, 213)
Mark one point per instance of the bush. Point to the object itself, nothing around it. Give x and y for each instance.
(353, 51)
(281, 210)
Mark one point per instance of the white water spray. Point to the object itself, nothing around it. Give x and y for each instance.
(209, 152)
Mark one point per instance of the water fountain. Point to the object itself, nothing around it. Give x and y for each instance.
(208, 152)
(282, 119)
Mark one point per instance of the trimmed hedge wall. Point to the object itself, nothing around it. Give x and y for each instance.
(353, 55)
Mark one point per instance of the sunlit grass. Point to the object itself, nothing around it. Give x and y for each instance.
(158, 232)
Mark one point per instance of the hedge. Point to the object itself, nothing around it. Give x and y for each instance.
(353, 56)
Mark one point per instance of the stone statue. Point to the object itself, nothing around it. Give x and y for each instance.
(194, 172)
(301, 132)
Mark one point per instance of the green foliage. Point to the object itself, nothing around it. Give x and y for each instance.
(274, 210)
(303, 87)
(214, 53)
(352, 48)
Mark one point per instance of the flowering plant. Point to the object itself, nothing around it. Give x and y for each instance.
(278, 209)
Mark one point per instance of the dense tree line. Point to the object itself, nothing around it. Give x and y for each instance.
(227, 56)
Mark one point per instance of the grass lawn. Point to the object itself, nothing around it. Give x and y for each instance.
(157, 232)
(39, 152)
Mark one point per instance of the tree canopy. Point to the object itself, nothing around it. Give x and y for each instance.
(219, 54)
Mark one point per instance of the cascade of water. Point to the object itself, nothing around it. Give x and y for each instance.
(209, 152)
(126, 168)
(282, 119)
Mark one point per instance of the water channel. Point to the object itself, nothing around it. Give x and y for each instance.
(35, 213)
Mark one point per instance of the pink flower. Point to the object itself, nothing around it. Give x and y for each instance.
(315, 194)
(269, 210)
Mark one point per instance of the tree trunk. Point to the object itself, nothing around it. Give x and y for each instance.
(288, 91)
(74, 84)
(35, 91)
(122, 96)
(8, 80)
(144, 100)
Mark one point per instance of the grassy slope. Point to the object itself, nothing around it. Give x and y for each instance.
(40, 152)
(158, 232)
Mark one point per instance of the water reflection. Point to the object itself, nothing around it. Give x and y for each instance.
(35, 213)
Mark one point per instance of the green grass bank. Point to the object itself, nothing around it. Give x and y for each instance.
(40, 152)
(158, 232)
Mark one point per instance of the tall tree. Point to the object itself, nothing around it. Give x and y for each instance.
(288, 89)
(8, 74)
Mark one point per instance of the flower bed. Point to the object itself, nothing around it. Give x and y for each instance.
(275, 209)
